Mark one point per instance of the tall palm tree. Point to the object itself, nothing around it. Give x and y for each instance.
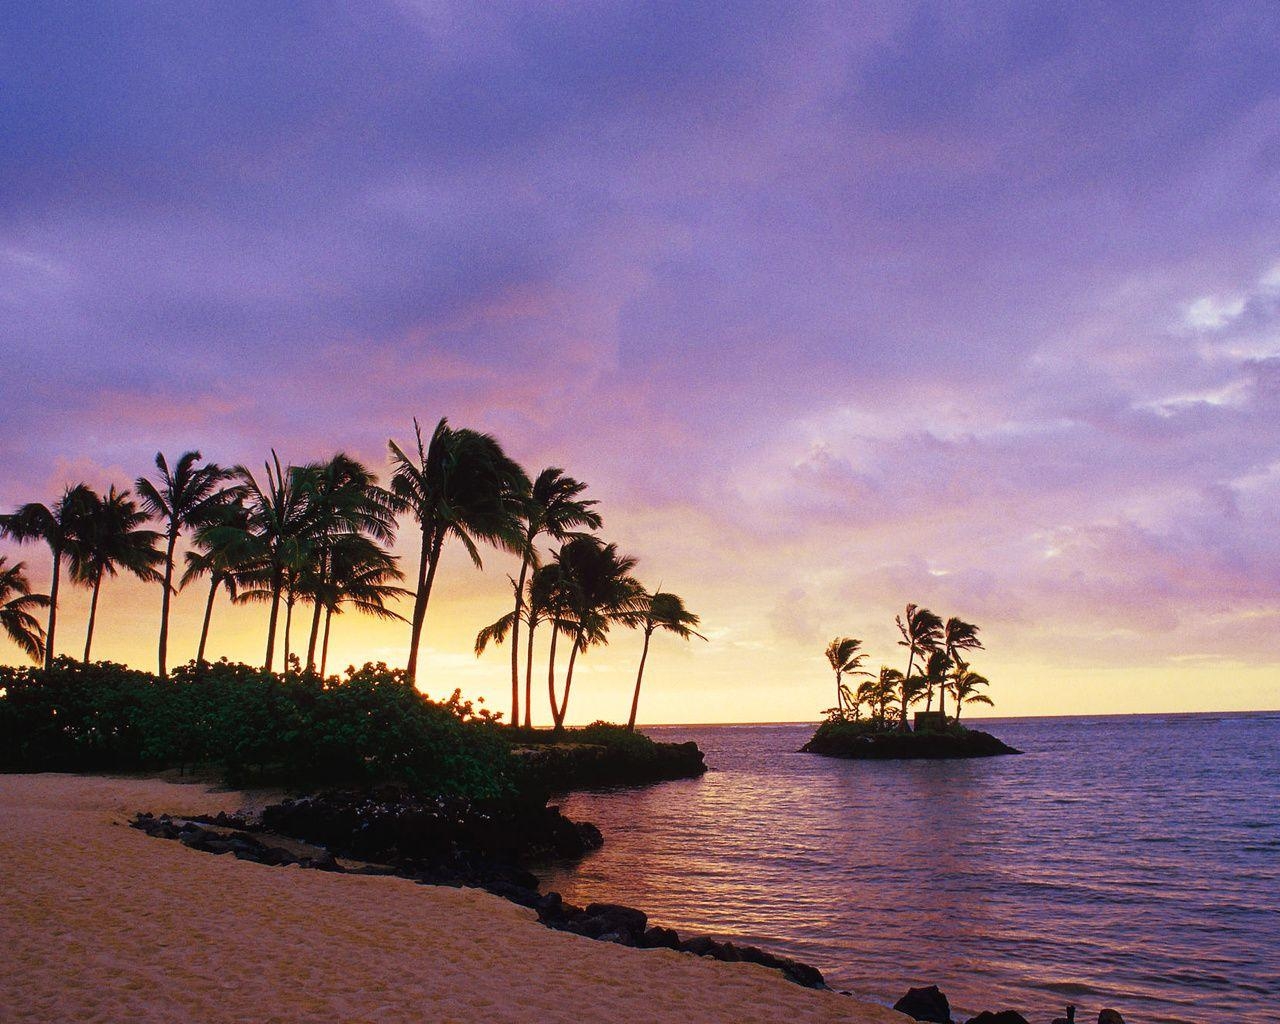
(921, 632)
(598, 591)
(60, 527)
(552, 508)
(362, 576)
(937, 670)
(345, 500)
(16, 604)
(278, 530)
(965, 686)
(184, 496)
(660, 610)
(112, 539)
(460, 484)
(843, 657)
(957, 636)
(223, 548)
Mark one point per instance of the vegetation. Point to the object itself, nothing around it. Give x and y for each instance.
(934, 662)
(316, 540)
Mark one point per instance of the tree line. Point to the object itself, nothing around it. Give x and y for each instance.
(936, 660)
(316, 539)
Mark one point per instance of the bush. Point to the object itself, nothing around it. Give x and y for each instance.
(368, 727)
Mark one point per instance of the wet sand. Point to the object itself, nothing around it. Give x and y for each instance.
(102, 923)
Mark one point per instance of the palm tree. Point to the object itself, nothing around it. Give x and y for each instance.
(843, 656)
(277, 530)
(937, 669)
(223, 549)
(551, 507)
(921, 632)
(60, 528)
(957, 636)
(16, 602)
(461, 484)
(965, 686)
(112, 539)
(361, 575)
(660, 610)
(182, 497)
(345, 500)
(597, 589)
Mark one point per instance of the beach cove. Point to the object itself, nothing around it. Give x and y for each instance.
(102, 923)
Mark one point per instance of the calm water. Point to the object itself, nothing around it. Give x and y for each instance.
(1130, 861)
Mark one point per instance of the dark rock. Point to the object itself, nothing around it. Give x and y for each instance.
(624, 919)
(835, 739)
(925, 1004)
(1110, 1016)
(660, 938)
(700, 945)
(1003, 1017)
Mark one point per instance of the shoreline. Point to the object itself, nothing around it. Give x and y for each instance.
(100, 921)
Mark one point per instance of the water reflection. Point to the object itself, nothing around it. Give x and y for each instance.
(1121, 860)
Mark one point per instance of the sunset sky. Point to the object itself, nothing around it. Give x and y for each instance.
(833, 307)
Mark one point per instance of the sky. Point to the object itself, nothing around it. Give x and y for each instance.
(833, 307)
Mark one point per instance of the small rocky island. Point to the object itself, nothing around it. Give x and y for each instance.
(863, 741)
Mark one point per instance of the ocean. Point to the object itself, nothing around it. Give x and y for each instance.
(1126, 861)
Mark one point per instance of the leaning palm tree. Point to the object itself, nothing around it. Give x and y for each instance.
(936, 672)
(598, 591)
(921, 632)
(460, 484)
(552, 508)
(843, 657)
(884, 692)
(16, 605)
(182, 497)
(112, 539)
(223, 548)
(965, 686)
(660, 610)
(957, 636)
(363, 577)
(60, 527)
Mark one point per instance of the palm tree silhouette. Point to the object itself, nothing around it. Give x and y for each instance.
(182, 497)
(362, 576)
(665, 611)
(551, 507)
(957, 636)
(937, 669)
(921, 632)
(223, 548)
(112, 539)
(843, 657)
(597, 590)
(461, 484)
(965, 686)
(16, 604)
(59, 527)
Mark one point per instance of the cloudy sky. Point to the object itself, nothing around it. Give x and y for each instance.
(834, 307)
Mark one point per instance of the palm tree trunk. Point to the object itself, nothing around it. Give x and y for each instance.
(273, 621)
(635, 698)
(839, 698)
(164, 601)
(902, 726)
(53, 607)
(288, 625)
(208, 614)
(528, 678)
(426, 577)
(324, 646)
(551, 676)
(568, 682)
(942, 699)
(515, 642)
(93, 614)
(315, 616)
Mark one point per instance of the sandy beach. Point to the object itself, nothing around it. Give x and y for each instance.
(100, 922)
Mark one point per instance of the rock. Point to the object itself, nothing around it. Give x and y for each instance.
(1003, 1017)
(624, 919)
(660, 938)
(700, 945)
(1110, 1016)
(925, 1004)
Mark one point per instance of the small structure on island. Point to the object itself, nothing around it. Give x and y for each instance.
(930, 721)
